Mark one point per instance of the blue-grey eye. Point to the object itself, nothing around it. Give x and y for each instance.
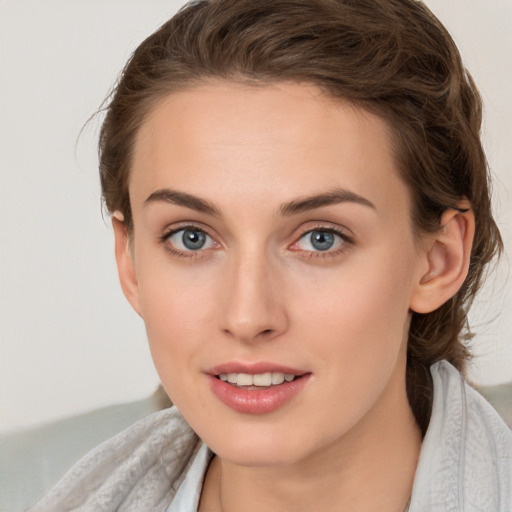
(319, 240)
(193, 240)
(190, 240)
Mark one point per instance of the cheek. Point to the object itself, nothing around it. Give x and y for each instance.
(360, 316)
(370, 291)
(178, 311)
(355, 336)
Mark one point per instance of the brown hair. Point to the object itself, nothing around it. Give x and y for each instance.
(391, 57)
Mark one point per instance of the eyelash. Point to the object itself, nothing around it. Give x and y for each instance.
(346, 239)
(164, 240)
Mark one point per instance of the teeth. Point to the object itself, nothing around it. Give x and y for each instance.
(260, 379)
(277, 378)
(244, 379)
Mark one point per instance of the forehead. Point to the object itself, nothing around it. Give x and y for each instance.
(281, 139)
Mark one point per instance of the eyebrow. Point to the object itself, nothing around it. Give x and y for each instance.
(183, 199)
(335, 196)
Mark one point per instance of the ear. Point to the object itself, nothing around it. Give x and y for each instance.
(125, 261)
(446, 257)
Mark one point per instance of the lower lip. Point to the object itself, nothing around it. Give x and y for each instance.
(257, 401)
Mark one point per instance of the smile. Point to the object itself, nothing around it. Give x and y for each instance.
(256, 389)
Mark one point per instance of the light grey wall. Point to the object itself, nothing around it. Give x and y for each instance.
(68, 340)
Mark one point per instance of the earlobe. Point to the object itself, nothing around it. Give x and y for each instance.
(447, 259)
(125, 262)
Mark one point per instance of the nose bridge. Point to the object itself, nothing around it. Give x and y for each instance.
(253, 308)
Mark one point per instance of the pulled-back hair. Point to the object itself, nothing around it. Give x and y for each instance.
(390, 57)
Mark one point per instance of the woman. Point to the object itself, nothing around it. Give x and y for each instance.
(302, 218)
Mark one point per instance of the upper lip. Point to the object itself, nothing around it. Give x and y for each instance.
(253, 368)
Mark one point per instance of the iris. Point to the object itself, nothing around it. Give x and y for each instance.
(193, 240)
(322, 240)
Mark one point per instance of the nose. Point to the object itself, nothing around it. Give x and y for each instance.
(253, 308)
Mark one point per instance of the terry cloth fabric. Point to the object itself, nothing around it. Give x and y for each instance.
(158, 464)
(138, 470)
(465, 462)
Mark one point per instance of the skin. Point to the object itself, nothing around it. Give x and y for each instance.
(259, 291)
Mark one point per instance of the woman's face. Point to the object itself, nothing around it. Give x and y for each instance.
(273, 240)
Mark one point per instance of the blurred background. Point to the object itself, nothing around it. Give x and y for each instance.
(72, 352)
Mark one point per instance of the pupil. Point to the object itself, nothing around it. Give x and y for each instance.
(322, 240)
(193, 240)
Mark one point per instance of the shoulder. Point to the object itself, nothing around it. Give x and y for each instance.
(466, 457)
(140, 467)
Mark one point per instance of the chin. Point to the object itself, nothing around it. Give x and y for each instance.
(259, 455)
(263, 445)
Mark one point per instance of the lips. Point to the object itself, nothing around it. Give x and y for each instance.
(259, 388)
